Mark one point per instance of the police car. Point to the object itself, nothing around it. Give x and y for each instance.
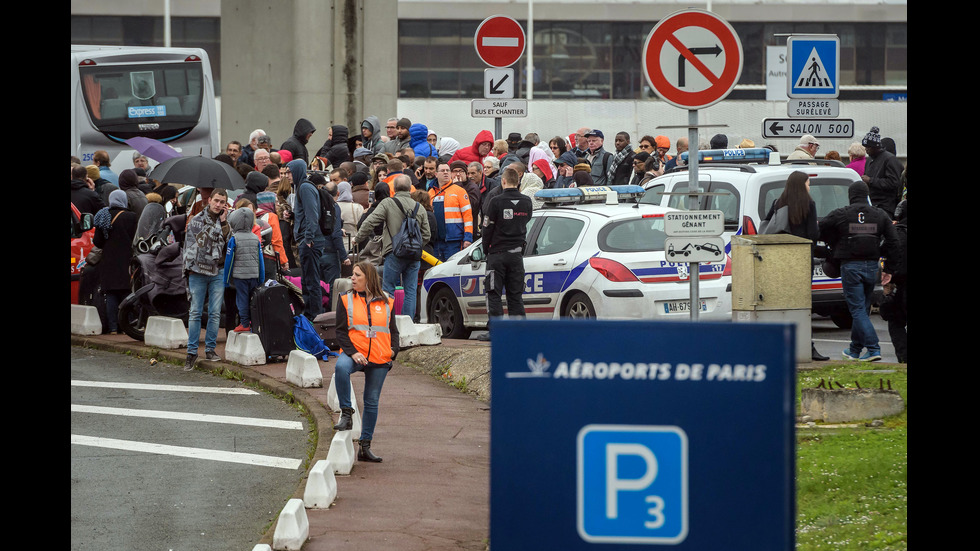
(744, 183)
(591, 252)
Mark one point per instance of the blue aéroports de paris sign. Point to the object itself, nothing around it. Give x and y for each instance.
(610, 433)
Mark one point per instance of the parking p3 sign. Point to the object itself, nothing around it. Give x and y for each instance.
(632, 484)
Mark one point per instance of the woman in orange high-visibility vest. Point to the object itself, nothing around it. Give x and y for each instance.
(369, 342)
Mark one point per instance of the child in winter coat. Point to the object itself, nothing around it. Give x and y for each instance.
(243, 263)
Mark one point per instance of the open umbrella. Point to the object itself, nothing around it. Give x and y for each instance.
(154, 149)
(198, 172)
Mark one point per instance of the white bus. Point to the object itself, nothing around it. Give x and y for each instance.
(120, 92)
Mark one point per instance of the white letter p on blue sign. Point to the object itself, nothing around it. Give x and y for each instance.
(632, 484)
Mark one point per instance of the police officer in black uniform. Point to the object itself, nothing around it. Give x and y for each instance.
(506, 217)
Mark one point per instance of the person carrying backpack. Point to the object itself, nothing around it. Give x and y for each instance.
(406, 229)
(309, 237)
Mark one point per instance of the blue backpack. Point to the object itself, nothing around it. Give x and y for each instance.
(308, 340)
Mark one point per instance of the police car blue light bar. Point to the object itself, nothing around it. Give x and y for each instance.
(589, 194)
(750, 155)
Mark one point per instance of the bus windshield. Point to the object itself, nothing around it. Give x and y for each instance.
(143, 99)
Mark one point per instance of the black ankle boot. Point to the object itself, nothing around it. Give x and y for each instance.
(345, 423)
(364, 454)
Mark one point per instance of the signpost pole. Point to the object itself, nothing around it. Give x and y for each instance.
(694, 187)
(498, 128)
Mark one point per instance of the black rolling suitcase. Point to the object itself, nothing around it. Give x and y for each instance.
(272, 320)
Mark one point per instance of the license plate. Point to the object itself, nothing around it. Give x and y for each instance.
(676, 306)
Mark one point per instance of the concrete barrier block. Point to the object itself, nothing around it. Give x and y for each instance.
(333, 402)
(850, 404)
(244, 349)
(321, 486)
(262, 547)
(430, 334)
(408, 335)
(293, 528)
(85, 320)
(356, 418)
(303, 370)
(164, 332)
(341, 452)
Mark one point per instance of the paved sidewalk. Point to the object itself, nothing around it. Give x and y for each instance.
(431, 491)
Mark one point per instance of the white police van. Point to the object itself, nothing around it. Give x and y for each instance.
(744, 184)
(591, 252)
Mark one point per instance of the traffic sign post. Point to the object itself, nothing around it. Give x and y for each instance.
(692, 59)
(499, 42)
(639, 432)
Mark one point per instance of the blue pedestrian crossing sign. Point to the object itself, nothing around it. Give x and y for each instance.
(814, 66)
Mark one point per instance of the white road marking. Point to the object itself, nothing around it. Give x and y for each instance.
(505, 41)
(170, 388)
(193, 453)
(181, 416)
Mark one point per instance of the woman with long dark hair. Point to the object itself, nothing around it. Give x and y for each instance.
(802, 218)
(369, 342)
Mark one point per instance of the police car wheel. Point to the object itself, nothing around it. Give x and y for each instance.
(579, 307)
(445, 310)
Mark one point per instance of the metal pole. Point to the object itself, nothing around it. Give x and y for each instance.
(693, 200)
(498, 128)
(166, 23)
(530, 50)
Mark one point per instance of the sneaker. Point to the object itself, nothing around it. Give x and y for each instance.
(848, 356)
(242, 329)
(212, 356)
(870, 356)
(189, 362)
(484, 337)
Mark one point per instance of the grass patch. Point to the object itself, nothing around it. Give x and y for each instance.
(852, 483)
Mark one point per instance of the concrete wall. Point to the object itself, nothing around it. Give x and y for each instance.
(296, 59)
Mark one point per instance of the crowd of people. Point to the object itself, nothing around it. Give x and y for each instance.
(352, 173)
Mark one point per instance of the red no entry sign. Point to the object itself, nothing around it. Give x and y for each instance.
(692, 59)
(499, 41)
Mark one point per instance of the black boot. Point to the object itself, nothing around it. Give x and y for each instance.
(364, 454)
(345, 423)
(816, 356)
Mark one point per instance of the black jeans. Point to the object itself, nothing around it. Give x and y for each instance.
(505, 273)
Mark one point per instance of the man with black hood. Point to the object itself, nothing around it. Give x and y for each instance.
(859, 234)
(296, 144)
(129, 182)
(335, 149)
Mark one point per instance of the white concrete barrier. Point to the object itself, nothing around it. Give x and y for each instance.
(164, 332)
(411, 334)
(245, 349)
(333, 401)
(341, 452)
(303, 370)
(356, 418)
(293, 528)
(430, 334)
(321, 486)
(262, 547)
(85, 320)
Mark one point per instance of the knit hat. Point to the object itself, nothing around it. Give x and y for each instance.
(872, 138)
(719, 141)
(583, 167)
(457, 164)
(662, 141)
(286, 156)
(404, 122)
